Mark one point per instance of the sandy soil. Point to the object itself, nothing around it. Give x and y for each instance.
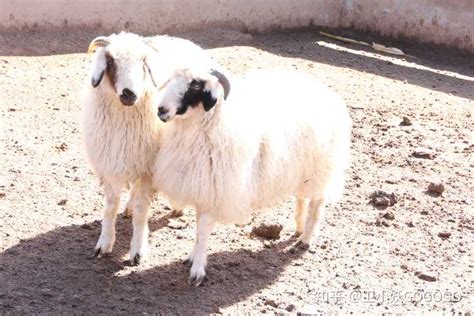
(412, 256)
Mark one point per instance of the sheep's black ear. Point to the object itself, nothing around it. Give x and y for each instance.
(208, 101)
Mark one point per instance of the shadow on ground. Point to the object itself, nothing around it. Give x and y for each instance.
(295, 44)
(62, 277)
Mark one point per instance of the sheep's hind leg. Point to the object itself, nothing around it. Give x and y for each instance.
(313, 222)
(199, 254)
(141, 205)
(300, 212)
(106, 240)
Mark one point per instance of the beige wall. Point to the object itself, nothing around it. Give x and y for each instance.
(449, 22)
(438, 21)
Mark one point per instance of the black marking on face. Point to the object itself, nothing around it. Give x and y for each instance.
(111, 69)
(195, 95)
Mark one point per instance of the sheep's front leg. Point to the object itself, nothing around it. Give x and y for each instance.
(140, 205)
(106, 241)
(199, 253)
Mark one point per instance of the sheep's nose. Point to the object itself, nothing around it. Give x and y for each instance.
(162, 111)
(128, 97)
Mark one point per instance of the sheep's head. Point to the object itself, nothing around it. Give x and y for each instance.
(121, 65)
(189, 90)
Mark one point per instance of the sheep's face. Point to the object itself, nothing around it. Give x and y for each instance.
(187, 94)
(123, 64)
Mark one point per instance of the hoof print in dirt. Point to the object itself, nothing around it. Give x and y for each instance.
(271, 232)
(382, 199)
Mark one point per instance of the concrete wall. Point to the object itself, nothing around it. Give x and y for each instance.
(438, 21)
(449, 22)
(162, 15)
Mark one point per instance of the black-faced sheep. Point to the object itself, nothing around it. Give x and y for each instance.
(278, 134)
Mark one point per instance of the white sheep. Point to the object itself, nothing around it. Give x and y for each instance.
(278, 134)
(121, 131)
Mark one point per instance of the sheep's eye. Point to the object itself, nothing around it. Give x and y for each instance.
(110, 61)
(195, 86)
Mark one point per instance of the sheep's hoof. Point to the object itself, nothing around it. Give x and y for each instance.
(127, 213)
(136, 260)
(97, 253)
(196, 280)
(197, 274)
(297, 234)
(299, 247)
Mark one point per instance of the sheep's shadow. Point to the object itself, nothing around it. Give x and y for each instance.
(55, 273)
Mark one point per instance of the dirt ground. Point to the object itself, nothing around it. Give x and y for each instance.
(412, 256)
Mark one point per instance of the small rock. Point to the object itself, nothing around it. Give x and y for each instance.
(406, 122)
(2, 194)
(271, 303)
(290, 308)
(437, 188)
(424, 212)
(444, 235)
(423, 153)
(267, 231)
(62, 202)
(76, 179)
(426, 277)
(177, 224)
(381, 222)
(383, 199)
(62, 147)
(389, 215)
(176, 213)
(410, 224)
